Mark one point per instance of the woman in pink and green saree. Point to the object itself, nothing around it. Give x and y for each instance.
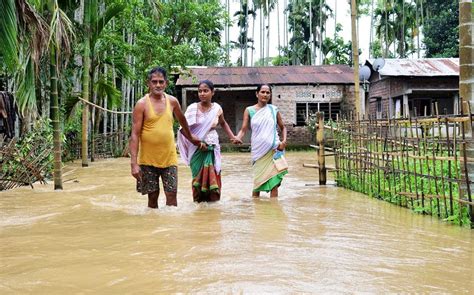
(205, 159)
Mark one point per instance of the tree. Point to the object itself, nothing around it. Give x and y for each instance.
(441, 29)
(24, 34)
(25, 28)
(336, 50)
(94, 23)
(60, 49)
(305, 29)
(244, 42)
(396, 25)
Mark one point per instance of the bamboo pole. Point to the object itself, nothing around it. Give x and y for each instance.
(320, 141)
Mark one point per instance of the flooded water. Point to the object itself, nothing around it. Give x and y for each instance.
(97, 236)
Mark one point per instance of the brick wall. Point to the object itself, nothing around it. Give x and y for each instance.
(285, 98)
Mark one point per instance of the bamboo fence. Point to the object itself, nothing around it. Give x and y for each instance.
(18, 168)
(108, 145)
(420, 163)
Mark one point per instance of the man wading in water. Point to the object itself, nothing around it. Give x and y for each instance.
(152, 147)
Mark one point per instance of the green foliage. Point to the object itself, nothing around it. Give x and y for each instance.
(299, 50)
(336, 50)
(8, 34)
(441, 31)
(35, 145)
(376, 49)
(397, 24)
(263, 61)
(405, 174)
(280, 61)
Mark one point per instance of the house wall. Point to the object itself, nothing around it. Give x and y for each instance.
(285, 98)
(392, 87)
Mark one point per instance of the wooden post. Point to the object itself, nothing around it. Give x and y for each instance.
(466, 88)
(320, 141)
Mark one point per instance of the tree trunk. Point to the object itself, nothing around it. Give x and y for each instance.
(466, 77)
(246, 31)
(267, 52)
(355, 54)
(86, 81)
(57, 174)
(371, 38)
(253, 38)
(106, 114)
(278, 25)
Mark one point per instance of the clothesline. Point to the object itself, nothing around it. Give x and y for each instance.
(102, 108)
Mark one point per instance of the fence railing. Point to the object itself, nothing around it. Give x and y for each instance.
(420, 163)
(105, 146)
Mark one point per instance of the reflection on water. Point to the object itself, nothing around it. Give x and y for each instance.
(98, 236)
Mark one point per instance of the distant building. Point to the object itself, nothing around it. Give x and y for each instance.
(414, 87)
(297, 91)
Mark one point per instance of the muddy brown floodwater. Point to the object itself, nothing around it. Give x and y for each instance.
(97, 236)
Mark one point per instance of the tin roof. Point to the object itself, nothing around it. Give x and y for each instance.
(281, 75)
(424, 67)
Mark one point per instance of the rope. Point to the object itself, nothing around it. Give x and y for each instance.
(104, 109)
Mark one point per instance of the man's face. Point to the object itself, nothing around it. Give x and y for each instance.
(157, 84)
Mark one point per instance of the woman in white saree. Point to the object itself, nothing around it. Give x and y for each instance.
(263, 119)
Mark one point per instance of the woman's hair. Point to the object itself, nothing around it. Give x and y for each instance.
(208, 83)
(261, 85)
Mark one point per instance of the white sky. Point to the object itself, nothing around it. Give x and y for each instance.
(343, 17)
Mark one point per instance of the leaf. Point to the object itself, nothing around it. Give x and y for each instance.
(8, 33)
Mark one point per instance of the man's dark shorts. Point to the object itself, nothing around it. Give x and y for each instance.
(150, 175)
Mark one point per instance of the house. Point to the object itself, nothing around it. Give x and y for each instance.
(297, 91)
(415, 87)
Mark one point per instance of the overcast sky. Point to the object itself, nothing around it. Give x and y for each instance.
(342, 14)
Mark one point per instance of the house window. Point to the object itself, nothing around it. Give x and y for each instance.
(306, 109)
(379, 105)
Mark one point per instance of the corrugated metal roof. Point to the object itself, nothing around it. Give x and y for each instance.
(426, 67)
(249, 76)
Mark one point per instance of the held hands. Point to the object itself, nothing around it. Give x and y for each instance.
(202, 146)
(195, 140)
(236, 140)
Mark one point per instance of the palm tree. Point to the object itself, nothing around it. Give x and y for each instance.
(60, 49)
(265, 7)
(243, 24)
(304, 30)
(397, 26)
(23, 22)
(94, 23)
(24, 35)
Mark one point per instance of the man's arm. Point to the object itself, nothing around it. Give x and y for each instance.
(137, 123)
(182, 121)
